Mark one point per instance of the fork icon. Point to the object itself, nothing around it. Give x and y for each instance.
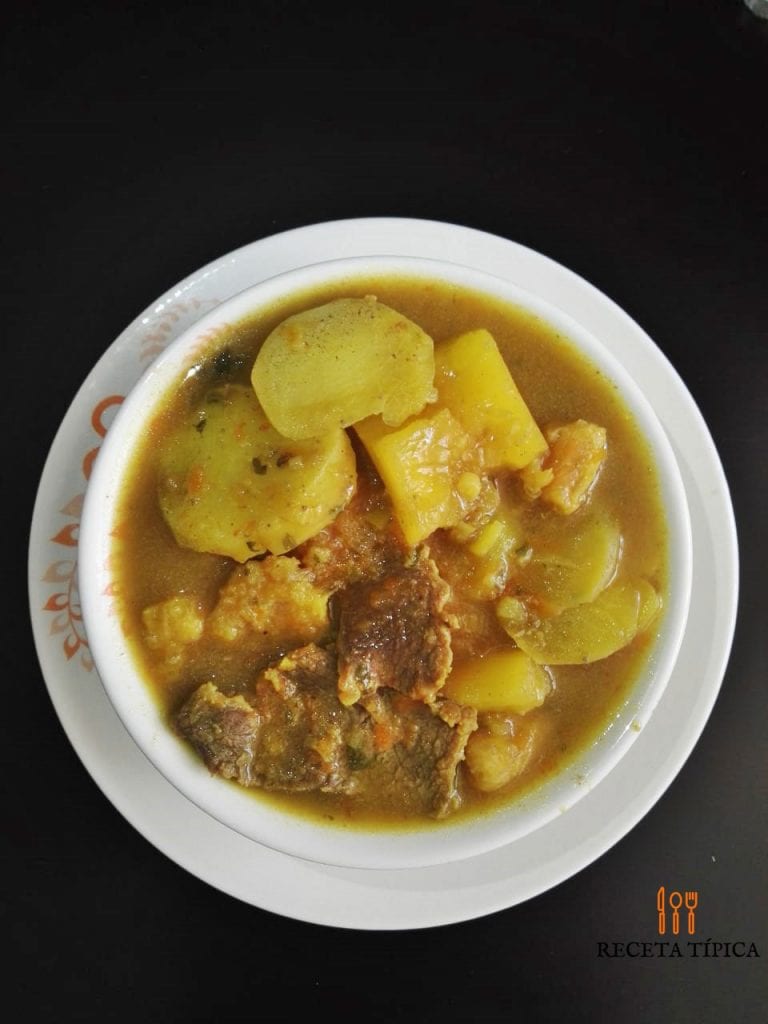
(691, 902)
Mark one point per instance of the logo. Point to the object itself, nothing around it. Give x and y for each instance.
(675, 904)
(676, 910)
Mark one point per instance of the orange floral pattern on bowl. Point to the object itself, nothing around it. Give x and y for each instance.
(63, 603)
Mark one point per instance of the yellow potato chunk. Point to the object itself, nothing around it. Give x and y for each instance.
(501, 681)
(490, 537)
(473, 381)
(494, 757)
(493, 761)
(420, 464)
(512, 613)
(333, 365)
(230, 484)
(571, 561)
(494, 548)
(588, 632)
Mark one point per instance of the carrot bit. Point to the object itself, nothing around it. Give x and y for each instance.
(195, 480)
(383, 737)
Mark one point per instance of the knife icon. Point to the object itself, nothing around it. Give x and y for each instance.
(660, 901)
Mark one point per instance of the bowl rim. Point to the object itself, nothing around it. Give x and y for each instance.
(422, 845)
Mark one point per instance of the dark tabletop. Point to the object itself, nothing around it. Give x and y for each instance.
(626, 141)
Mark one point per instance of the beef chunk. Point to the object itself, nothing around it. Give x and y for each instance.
(307, 735)
(418, 749)
(394, 632)
(359, 544)
(290, 734)
(224, 731)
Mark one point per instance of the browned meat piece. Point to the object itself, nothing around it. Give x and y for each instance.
(291, 734)
(418, 751)
(359, 544)
(307, 735)
(224, 731)
(394, 632)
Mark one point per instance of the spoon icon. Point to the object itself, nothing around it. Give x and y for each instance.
(675, 902)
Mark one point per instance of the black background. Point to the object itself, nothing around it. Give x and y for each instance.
(625, 140)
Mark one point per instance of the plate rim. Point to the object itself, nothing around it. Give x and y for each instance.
(358, 228)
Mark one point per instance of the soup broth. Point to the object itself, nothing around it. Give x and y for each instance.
(508, 566)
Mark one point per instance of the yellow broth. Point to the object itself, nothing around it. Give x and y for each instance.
(558, 385)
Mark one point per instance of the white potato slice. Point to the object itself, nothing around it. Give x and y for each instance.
(336, 364)
(230, 484)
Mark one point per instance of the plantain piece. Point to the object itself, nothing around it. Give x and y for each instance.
(571, 559)
(336, 364)
(230, 484)
(590, 632)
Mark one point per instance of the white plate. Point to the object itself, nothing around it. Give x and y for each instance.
(350, 897)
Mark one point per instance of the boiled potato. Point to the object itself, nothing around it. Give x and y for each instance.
(333, 365)
(493, 761)
(571, 560)
(589, 632)
(473, 381)
(501, 681)
(495, 757)
(230, 484)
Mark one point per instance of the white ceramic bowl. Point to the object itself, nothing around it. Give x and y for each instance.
(257, 819)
